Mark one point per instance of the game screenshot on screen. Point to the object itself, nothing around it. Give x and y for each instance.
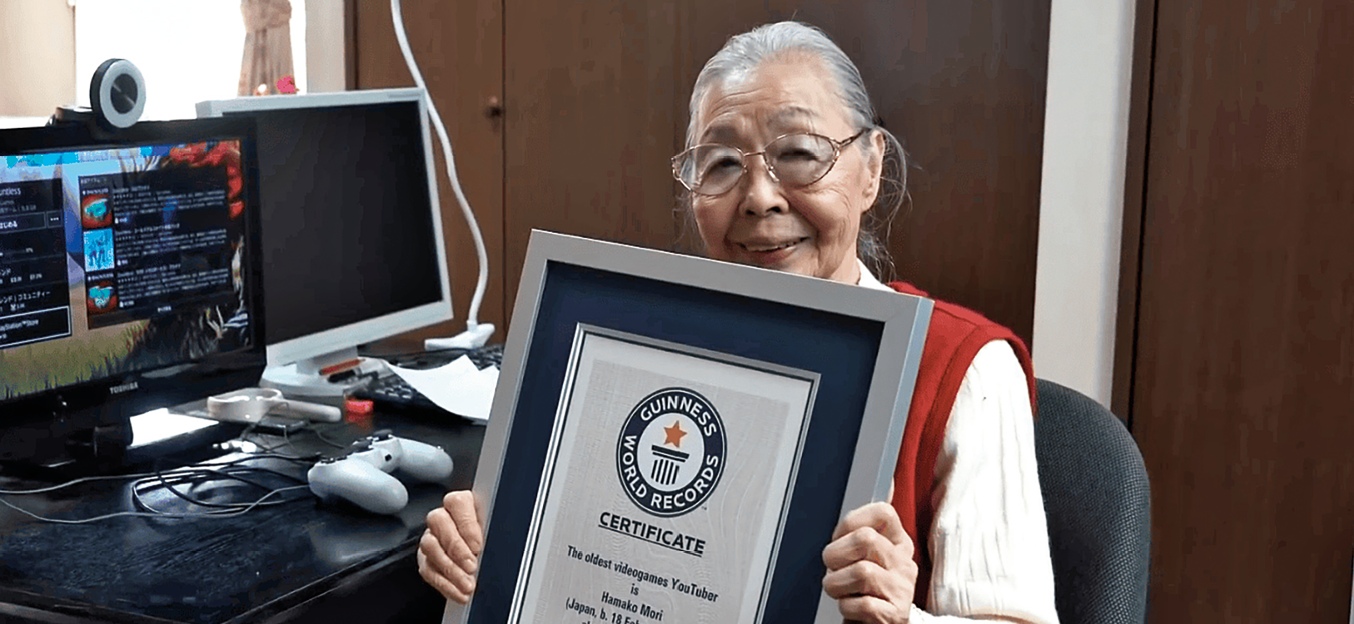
(118, 258)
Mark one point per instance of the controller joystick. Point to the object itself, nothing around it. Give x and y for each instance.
(362, 475)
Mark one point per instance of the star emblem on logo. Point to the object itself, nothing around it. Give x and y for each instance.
(674, 434)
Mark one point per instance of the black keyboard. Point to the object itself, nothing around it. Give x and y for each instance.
(392, 393)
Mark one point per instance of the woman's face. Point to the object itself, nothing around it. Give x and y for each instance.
(810, 230)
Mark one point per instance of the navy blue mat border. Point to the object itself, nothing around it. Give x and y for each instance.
(840, 348)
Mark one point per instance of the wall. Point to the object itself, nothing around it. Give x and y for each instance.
(326, 47)
(1081, 206)
(37, 57)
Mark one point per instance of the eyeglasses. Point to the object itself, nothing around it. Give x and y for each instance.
(797, 159)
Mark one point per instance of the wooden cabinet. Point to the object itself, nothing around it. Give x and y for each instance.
(594, 103)
(1238, 344)
(459, 50)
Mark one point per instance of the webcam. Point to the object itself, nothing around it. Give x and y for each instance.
(117, 97)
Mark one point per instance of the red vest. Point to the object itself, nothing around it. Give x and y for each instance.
(952, 340)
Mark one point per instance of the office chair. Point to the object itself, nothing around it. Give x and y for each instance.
(1096, 498)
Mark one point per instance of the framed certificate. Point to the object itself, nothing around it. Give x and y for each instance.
(673, 439)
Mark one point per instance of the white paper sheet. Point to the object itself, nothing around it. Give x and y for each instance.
(458, 387)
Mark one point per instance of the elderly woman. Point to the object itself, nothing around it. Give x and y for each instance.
(787, 171)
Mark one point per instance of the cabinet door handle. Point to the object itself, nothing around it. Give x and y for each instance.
(493, 107)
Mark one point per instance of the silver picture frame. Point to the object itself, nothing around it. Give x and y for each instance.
(859, 349)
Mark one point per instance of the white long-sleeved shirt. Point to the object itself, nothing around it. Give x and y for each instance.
(989, 539)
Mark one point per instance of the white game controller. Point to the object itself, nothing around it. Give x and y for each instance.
(361, 476)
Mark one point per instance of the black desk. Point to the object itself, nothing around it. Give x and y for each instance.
(297, 562)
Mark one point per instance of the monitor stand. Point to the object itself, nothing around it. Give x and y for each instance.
(323, 379)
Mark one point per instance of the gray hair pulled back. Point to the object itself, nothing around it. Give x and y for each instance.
(744, 53)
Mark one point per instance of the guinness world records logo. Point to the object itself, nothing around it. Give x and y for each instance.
(671, 452)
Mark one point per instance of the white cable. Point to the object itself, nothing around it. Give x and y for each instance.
(475, 334)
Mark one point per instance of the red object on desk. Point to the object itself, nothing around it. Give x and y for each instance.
(357, 410)
(341, 366)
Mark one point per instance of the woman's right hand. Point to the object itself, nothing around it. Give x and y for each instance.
(449, 552)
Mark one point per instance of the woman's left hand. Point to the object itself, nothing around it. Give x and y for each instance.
(871, 574)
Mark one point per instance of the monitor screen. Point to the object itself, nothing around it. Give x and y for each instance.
(127, 273)
(352, 233)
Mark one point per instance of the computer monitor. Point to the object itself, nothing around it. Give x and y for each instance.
(352, 228)
(128, 280)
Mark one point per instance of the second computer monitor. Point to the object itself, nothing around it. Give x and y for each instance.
(352, 235)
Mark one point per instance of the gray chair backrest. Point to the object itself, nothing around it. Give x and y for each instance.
(1097, 501)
